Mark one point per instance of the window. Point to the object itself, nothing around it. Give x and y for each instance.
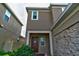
(34, 15)
(6, 16)
(42, 41)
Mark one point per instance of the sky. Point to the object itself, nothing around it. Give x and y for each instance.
(18, 7)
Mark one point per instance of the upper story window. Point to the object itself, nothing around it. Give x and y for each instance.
(34, 15)
(6, 16)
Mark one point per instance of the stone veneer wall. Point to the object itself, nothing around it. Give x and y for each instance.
(66, 37)
(67, 42)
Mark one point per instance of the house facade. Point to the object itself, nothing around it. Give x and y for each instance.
(39, 23)
(38, 29)
(10, 29)
(55, 31)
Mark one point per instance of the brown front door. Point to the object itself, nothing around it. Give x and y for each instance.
(34, 43)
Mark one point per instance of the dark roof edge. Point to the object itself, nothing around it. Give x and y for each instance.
(36, 8)
(44, 8)
(67, 11)
(62, 5)
(5, 5)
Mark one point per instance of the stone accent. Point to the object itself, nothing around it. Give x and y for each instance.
(66, 43)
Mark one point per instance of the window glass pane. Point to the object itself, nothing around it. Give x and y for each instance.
(7, 13)
(42, 41)
(6, 18)
(34, 16)
(34, 13)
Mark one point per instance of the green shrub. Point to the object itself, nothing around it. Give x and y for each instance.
(2, 52)
(11, 53)
(24, 51)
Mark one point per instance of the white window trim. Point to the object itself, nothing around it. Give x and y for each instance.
(32, 15)
(8, 14)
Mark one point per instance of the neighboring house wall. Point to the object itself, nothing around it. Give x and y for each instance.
(10, 31)
(66, 35)
(19, 43)
(42, 24)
